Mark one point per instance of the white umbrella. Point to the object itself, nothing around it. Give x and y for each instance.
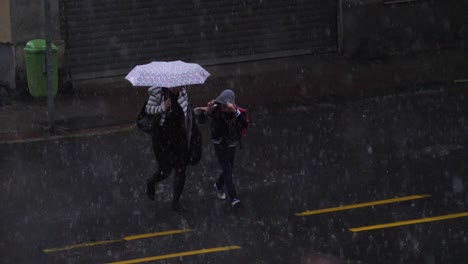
(167, 74)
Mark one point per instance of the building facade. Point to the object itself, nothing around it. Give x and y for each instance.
(101, 39)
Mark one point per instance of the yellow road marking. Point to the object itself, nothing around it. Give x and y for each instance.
(360, 205)
(91, 244)
(409, 222)
(175, 255)
(165, 233)
(461, 81)
(127, 238)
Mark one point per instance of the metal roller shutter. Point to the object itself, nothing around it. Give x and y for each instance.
(109, 37)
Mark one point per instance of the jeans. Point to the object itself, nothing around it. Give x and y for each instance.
(225, 156)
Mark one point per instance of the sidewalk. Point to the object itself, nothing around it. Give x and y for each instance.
(283, 79)
(28, 120)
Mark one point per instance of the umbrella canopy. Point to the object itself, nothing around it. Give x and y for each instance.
(167, 74)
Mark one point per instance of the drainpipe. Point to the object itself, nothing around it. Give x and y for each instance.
(48, 57)
(340, 26)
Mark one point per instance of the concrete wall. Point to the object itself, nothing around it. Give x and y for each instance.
(27, 22)
(7, 60)
(299, 79)
(5, 24)
(372, 28)
(7, 70)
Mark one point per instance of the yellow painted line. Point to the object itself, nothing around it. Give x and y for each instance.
(165, 233)
(91, 244)
(127, 238)
(409, 222)
(175, 255)
(461, 81)
(360, 205)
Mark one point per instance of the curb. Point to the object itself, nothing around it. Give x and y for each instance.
(38, 136)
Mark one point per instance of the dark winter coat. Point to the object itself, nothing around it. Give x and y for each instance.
(226, 127)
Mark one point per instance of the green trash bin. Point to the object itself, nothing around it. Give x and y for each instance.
(36, 69)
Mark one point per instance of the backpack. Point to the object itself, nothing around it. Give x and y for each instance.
(145, 122)
(245, 113)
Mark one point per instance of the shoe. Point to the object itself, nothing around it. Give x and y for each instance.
(220, 193)
(150, 189)
(235, 203)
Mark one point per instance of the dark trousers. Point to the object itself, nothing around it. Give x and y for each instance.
(225, 156)
(170, 152)
(164, 171)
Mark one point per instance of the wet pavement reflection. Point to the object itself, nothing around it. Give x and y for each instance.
(86, 195)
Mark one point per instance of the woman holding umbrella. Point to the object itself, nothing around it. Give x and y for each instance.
(175, 125)
(170, 143)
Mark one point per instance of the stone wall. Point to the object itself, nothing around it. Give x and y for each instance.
(377, 28)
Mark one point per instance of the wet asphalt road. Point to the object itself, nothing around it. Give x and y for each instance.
(295, 158)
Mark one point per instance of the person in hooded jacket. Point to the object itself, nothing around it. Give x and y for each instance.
(226, 124)
(170, 142)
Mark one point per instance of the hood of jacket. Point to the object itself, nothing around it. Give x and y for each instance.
(226, 96)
